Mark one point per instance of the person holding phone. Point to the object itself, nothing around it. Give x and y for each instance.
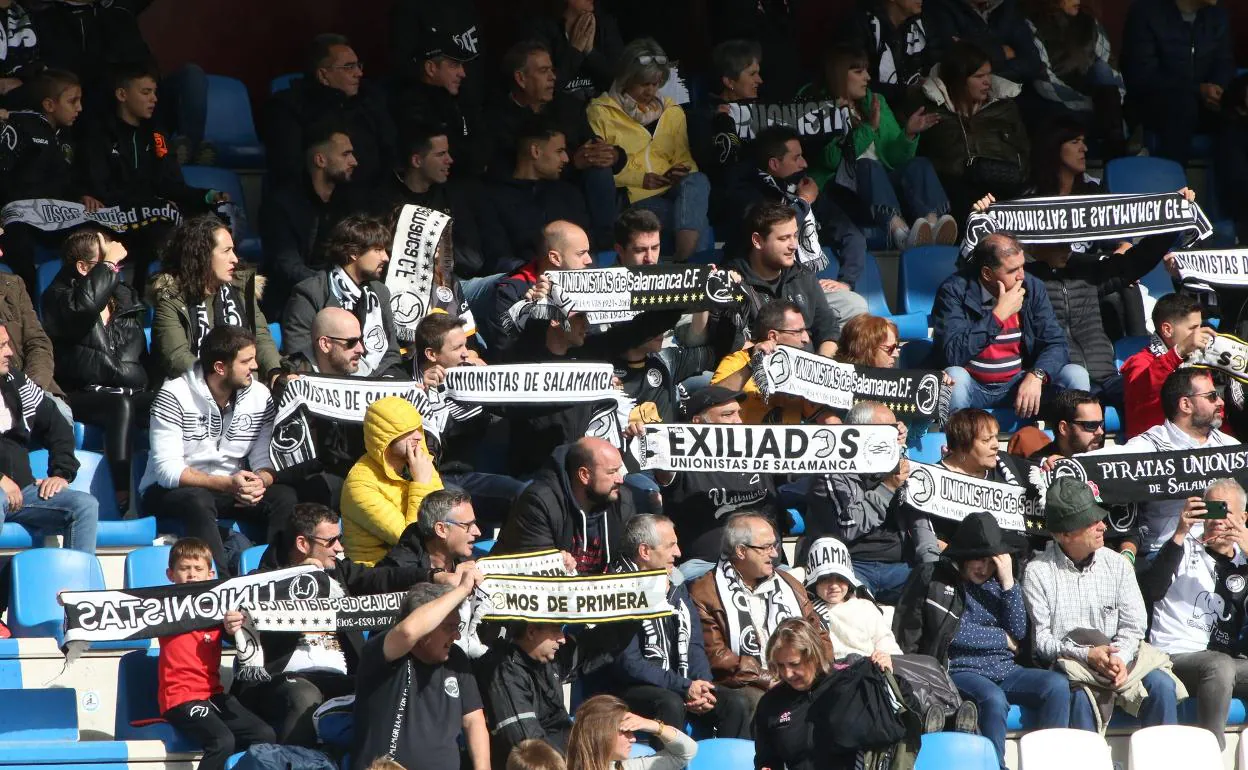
(1197, 588)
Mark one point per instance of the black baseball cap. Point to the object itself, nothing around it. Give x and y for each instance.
(442, 45)
(712, 395)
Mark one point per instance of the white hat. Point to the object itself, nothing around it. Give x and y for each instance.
(829, 556)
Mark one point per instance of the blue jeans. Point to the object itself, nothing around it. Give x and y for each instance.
(683, 206)
(1048, 692)
(968, 393)
(1161, 707)
(492, 493)
(883, 579)
(909, 191)
(598, 185)
(71, 513)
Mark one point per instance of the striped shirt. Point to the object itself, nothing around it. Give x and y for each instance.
(1002, 359)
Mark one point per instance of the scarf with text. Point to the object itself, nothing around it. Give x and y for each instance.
(937, 491)
(227, 310)
(815, 118)
(321, 615)
(422, 239)
(913, 395)
(577, 599)
(1226, 353)
(51, 215)
(744, 637)
(1165, 474)
(656, 633)
(810, 255)
(364, 303)
(769, 448)
(603, 294)
(547, 563)
(1067, 218)
(1217, 267)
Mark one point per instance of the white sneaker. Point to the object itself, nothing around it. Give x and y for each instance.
(901, 237)
(945, 231)
(920, 233)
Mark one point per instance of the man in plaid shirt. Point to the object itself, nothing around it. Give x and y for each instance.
(1079, 584)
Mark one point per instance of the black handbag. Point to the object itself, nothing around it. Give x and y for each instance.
(1003, 177)
(929, 682)
(858, 710)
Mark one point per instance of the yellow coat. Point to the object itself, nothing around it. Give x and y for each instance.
(646, 154)
(378, 503)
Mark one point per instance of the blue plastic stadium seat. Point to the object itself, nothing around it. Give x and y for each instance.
(911, 326)
(482, 548)
(797, 525)
(230, 127)
(4, 268)
(923, 269)
(38, 716)
(95, 478)
(275, 329)
(723, 754)
(944, 751)
(914, 354)
(1158, 281)
(1144, 175)
(1008, 421)
(136, 701)
(44, 274)
(1113, 420)
(250, 559)
(38, 575)
(145, 567)
(606, 258)
(926, 448)
(282, 82)
(226, 181)
(1128, 346)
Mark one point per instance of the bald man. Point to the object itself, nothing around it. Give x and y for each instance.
(336, 342)
(565, 246)
(576, 503)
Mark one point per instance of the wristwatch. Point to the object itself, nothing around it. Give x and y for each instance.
(1041, 375)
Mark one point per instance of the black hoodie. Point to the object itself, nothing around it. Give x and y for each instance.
(546, 515)
(123, 164)
(35, 160)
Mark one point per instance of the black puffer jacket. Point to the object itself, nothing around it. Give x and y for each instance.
(1076, 291)
(87, 351)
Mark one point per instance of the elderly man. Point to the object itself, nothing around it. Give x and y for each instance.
(664, 673)
(742, 601)
(1089, 617)
(858, 510)
(1197, 586)
(574, 504)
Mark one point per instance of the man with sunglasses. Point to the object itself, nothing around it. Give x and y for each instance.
(306, 669)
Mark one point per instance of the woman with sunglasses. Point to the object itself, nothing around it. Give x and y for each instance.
(660, 174)
(869, 340)
(605, 730)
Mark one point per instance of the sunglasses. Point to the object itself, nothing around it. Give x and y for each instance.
(647, 59)
(1212, 396)
(346, 342)
(891, 349)
(1091, 426)
(328, 542)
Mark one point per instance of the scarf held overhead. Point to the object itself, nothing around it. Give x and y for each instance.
(52, 215)
(421, 238)
(1067, 218)
(578, 599)
(1226, 353)
(769, 448)
(744, 637)
(937, 491)
(912, 395)
(653, 287)
(1162, 475)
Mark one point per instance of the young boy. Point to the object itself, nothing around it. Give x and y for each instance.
(36, 161)
(189, 673)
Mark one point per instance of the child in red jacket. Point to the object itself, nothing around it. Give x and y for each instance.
(189, 673)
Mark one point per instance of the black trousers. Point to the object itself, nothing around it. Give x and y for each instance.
(118, 415)
(222, 725)
(198, 508)
(731, 717)
(288, 701)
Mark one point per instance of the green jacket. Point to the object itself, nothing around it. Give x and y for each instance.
(171, 329)
(892, 147)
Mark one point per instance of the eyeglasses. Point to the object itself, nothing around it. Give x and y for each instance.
(891, 349)
(328, 542)
(1091, 426)
(467, 525)
(802, 330)
(771, 547)
(1212, 396)
(349, 66)
(346, 342)
(648, 59)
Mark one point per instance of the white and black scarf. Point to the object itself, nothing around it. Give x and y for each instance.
(1216, 267)
(744, 637)
(810, 254)
(1017, 505)
(815, 118)
(803, 449)
(227, 310)
(576, 599)
(912, 395)
(656, 633)
(422, 244)
(1166, 473)
(1225, 356)
(1067, 218)
(364, 303)
(916, 42)
(51, 215)
(604, 293)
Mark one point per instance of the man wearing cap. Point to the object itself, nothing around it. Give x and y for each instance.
(973, 585)
(1088, 616)
(700, 501)
(858, 509)
(430, 93)
(663, 673)
(1196, 588)
(332, 90)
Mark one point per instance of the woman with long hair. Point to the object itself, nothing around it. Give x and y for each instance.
(869, 340)
(604, 732)
(874, 164)
(201, 288)
(661, 174)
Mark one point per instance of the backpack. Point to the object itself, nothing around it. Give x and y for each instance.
(270, 756)
(858, 710)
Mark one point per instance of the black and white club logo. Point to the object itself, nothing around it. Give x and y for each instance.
(824, 442)
(779, 367)
(1069, 468)
(978, 227)
(921, 486)
(375, 340)
(407, 308)
(303, 587)
(718, 287)
(928, 393)
(289, 437)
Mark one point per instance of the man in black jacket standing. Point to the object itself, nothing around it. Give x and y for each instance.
(996, 26)
(309, 668)
(333, 88)
(574, 504)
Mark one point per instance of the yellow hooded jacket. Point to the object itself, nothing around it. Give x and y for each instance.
(657, 153)
(378, 503)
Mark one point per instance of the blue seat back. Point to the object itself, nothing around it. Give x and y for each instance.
(926, 448)
(94, 478)
(724, 754)
(250, 559)
(923, 269)
(145, 567)
(871, 286)
(39, 716)
(608, 258)
(1127, 347)
(282, 82)
(1158, 282)
(943, 751)
(214, 178)
(1144, 175)
(229, 112)
(38, 575)
(275, 329)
